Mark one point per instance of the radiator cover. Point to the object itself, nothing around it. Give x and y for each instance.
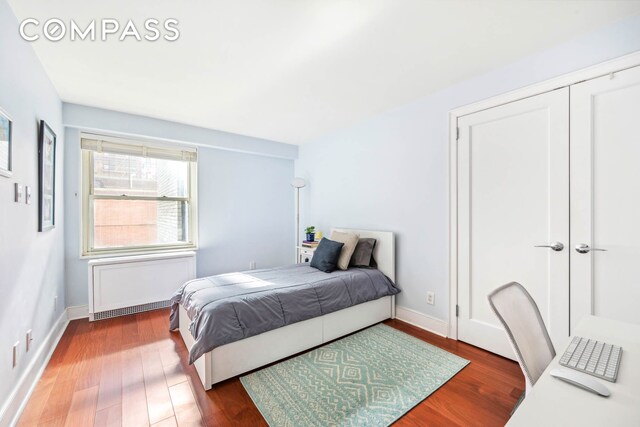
(129, 310)
(133, 284)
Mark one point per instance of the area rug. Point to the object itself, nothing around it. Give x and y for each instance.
(370, 378)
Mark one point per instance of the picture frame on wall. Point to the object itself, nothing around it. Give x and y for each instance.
(46, 177)
(6, 136)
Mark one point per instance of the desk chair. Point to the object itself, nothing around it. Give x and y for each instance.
(521, 319)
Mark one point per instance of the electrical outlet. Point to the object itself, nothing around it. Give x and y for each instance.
(252, 265)
(16, 346)
(431, 298)
(29, 339)
(18, 193)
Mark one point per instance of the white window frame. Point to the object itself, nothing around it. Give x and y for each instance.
(88, 197)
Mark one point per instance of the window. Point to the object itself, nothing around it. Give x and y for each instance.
(137, 198)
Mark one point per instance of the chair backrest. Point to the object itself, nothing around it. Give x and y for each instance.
(521, 319)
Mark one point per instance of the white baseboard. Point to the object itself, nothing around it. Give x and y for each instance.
(13, 407)
(422, 321)
(78, 312)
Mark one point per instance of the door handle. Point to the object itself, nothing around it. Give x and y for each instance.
(556, 246)
(583, 248)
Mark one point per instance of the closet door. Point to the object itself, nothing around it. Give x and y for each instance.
(513, 195)
(605, 197)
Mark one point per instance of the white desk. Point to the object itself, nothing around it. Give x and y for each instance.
(552, 402)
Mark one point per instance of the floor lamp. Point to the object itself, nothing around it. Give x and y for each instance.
(298, 183)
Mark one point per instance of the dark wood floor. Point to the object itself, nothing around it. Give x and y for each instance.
(131, 371)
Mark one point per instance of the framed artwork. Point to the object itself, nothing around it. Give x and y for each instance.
(46, 177)
(6, 131)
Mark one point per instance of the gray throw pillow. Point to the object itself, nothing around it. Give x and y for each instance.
(325, 257)
(363, 254)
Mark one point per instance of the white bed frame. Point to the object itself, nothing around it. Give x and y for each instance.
(250, 353)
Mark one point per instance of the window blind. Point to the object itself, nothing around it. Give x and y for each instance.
(139, 149)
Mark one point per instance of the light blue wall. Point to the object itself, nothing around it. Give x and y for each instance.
(390, 172)
(114, 122)
(31, 263)
(245, 203)
(246, 212)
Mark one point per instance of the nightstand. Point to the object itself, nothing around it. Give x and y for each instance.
(305, 254)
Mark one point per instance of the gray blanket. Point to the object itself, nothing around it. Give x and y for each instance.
(234, 306)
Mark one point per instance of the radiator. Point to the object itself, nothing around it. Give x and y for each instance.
(132, 284)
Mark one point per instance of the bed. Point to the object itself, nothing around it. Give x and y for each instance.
(226, 360)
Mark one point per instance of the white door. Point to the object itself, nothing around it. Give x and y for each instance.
(605, 197)
(513, 194)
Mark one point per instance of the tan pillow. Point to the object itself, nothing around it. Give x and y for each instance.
(350, 241)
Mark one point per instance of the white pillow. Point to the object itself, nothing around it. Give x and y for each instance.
(350, 241)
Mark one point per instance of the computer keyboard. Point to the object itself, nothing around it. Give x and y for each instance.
(593, 357)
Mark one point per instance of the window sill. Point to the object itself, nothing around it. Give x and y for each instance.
(142, 258)
(122, 254)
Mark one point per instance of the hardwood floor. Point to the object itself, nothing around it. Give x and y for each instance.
(131, 371)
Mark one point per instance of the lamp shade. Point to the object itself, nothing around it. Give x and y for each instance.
(298, 183)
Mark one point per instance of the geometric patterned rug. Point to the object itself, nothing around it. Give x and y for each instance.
(370, 378)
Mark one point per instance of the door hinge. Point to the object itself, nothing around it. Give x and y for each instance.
(457, 310)
(457, 133)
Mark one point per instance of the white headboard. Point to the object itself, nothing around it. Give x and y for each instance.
(384, 252)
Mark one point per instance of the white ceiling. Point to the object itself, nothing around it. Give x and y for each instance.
(292, 70)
